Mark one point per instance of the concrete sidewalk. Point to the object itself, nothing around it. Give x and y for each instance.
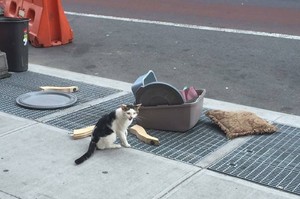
(37, 161)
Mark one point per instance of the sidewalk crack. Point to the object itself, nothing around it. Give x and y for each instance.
(4, 192)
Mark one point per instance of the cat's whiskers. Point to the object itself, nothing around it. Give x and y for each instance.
(139, 118)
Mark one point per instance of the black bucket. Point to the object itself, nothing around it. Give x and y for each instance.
(14, 42)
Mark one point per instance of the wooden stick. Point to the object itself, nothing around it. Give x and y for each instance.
(143, 135)
(83, 132)
(68, 89)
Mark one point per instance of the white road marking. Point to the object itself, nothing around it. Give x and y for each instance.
(247, 32)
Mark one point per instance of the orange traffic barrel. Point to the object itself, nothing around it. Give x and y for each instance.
(48, 25)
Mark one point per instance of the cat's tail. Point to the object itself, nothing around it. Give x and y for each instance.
(88, 154)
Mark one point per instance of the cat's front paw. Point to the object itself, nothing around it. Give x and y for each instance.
(127, 145)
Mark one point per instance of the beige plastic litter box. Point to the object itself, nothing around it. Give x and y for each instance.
(172, 117)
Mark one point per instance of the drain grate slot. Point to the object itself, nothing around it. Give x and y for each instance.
(20, 83)
(272, 160)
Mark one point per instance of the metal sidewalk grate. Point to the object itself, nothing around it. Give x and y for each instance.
(20, 83)
(90, 115)
(189, 147)
(272, 160)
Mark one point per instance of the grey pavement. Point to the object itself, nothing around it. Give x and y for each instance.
(37, 161)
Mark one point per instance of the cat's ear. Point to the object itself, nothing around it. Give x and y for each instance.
(137, 106)
(124, 107)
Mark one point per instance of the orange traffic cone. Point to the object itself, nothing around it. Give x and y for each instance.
(1, 4)
(48, 25)
(11, 7)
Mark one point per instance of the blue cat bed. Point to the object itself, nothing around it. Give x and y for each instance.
(143, 80)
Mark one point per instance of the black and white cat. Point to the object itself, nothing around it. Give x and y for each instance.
(109, 127)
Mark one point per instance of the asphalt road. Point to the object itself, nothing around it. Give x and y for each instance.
(254, 70)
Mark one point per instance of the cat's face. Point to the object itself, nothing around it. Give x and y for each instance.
(130, 111)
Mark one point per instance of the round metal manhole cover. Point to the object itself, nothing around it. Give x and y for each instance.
(46, 100)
